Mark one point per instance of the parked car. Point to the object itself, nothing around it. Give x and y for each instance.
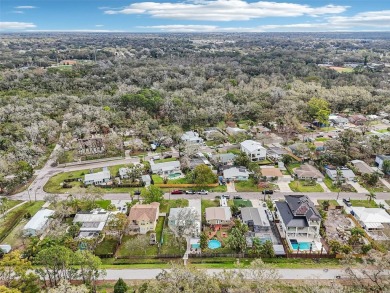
(226, 196)
(267, 191)
(203, 192)
(167, 156)
(347, 202)
(190, 192)
(178, 191)
(137, 192)
(237, 197)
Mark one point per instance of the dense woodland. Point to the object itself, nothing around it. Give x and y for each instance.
(160, 85)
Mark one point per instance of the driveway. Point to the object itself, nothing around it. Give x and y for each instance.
(358, 187)
(384, 182)
(324, 187)
(284, 187)
(231, 187)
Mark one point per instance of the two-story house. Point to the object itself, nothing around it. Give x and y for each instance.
(298, 217)
(254, 150)
(143, 217)
(218, 215)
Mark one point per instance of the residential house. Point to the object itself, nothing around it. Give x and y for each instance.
(90, 146)
(256, 219)
(235, 131)
(275, 152)
(146, 179)
(6, 248)
(68, 62)
(260, 130)
(362, 167)
(270, 172)
(254, 150)
(336, 120)
(92, 222)
(218, 215)
(236, 173)
(300, 149)
(38, 223)
(223, 159)
(299, 217)
(165, 168)
(199, 159)
(357, 119)
(191, 137)
(99, 178)
(211, 133)
(379, 159)
(319, 145)
(143, 217)
(346, 174)
(177, 218)
(308, 172)
(371, 219)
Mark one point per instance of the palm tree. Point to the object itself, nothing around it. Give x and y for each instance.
(371, 196)
(338, 181)
(325, 205)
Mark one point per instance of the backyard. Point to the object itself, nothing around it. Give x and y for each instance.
(305, 186)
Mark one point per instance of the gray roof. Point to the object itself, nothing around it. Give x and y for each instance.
(383, 157)
(257, 215)
(165, 166)
(224, 158)
(39, 220)
(362, 167)
(307, 170)
(235, 172)
(297, 210)
(251, 145)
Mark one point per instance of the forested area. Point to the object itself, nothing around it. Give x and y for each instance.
(160, 85)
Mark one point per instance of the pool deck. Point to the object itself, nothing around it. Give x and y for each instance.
(316, 243)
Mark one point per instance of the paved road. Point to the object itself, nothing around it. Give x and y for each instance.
(286, 274)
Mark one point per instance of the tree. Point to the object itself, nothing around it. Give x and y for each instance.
(120, 286)
(386, 166)
(366, 248)
(88, 268)
(117, 224)
(187, 223)
(203, 240)
(325, 205)
(267, 249)
(256, 247)
(236, 239)
(264, 277)
(4, 289)
(202, 175)
(334, 246)
(134, 172)
(371, 196)
(24, 170)
(152, 194)
(318, 109)
(242, 159)
(65, 287)
(13, 267)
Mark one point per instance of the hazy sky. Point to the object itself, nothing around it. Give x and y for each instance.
(194, 15)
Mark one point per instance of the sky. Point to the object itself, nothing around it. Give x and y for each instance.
(194, 15)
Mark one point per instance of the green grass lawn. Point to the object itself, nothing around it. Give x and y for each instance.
(322, 139)
(364, 203)
(107, 246)
(103, 203)
(332, 202)
(298, 186)
(329, 183)
(174, 203)
(292, 166)
(165, 160)
(242, 203)
(171, 245)
(159, 228)
(12, 203)
(327, 128)
(264, 162)
(157, 179)
(129, 246)
(382, 130)
(246, 186)
(206, 203)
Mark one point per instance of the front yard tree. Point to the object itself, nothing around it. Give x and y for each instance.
(13, 267)
(120, 286)
(152, 194)
(202, 175)
(237, 240)
(134, 172)
(267, 249)
(318, 109)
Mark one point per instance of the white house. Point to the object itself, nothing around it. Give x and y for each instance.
(6, 248)
(38, 223)
(146, 179)
(235, 130)
(92, 222)
(165, 168)
(218, 215)
(379, 159)
(254, 150)
(346, 174)
(236, 173)
(191, 137)
(371, 219)
(99, 178)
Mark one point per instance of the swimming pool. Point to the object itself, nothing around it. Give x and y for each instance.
(302, 245)
(214, 244)
(264, 239)
(174, 175)
(195, 245)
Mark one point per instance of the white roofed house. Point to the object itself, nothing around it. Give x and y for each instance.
(236, 173)
(235, 130)
(254, 150)
(372, 219)
(92, 222)
(99, 178)
(191, 137)
(345, 173)
(38, 223)
(165, 168)
(218, 215)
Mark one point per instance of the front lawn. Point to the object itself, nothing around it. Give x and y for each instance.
(329, 183)
(292, 166)
(241, 203)
(363, 203)
(103, 203)
(165, 160)
(246, 186)
(207, 203)
(166, 205)
(332, 202)
(299, 186)
(322, 139)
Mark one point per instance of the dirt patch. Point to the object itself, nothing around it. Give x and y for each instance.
(338, 226)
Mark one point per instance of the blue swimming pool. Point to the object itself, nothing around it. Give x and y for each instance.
(214, 244)
(174, 175)
(195, 245)
(302, 245)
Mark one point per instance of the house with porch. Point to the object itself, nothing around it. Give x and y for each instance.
(38, 223)
(92, 222)
(256, 219)
(345, 173)
(371, 219)
(191, 137)
(165, 168)
(308, 172)
(218, 215)
(144, 217)
(254, 150)
(236, 173)
(99, 178)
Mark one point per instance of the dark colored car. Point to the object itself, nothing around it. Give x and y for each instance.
(167, 156)
(137, 192)
(347, 202)
(237, 197)
(267, 192)
(190, 192)
(226, 196)
(178, 192)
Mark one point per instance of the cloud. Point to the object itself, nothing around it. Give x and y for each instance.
(225, 10)
(78, 31)
(99, 25)
(25, 7)
(183, 28)
(379, 19)
(18, 12)
(16, 25)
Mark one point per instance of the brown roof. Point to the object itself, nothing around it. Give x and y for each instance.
(362, 167)
(218, 213)
(144, 212)
(307, 170)
(271, 172)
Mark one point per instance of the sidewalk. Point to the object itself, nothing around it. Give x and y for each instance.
(231, 187)
(324, 187)
(7, 211)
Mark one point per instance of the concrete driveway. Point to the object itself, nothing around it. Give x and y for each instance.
(284, 187)
(358, 187)
(231, 187)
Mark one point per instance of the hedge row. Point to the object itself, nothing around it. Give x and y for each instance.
(184, 185)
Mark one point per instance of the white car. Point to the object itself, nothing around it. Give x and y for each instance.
(203, 192)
